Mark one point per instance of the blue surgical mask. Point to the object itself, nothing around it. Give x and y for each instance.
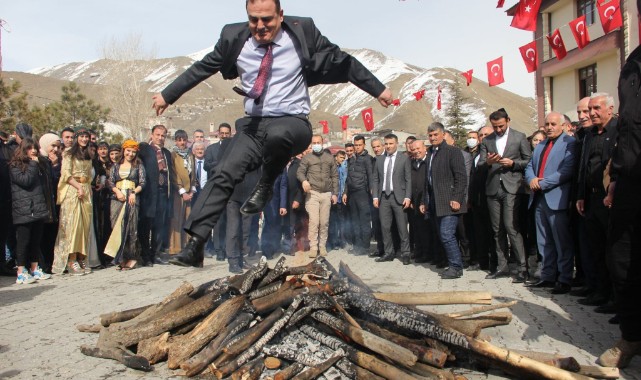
(317, 148)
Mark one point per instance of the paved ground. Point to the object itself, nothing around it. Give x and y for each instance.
(38, 337)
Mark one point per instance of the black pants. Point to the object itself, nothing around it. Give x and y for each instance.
(272, 232)
(270, 141)
(152, 231)
(420, 229)
(597, 218)
(239, 228)
(359, 201)
(482, 235)
(218, 236)
(624, 257)
(463, 240)
(335, 233)
(28, 238)
(378, 231)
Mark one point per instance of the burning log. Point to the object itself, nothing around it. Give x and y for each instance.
(279, 269)
(183, 347)
(289, 372)
(292, 354)
(242, 283)
(267, 290)
(437, 298)
(317, 370)
(199, 362)
(318, 268)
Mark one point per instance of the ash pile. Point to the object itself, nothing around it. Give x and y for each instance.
(312, 321)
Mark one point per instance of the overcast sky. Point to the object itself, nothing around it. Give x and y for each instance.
(463, 34)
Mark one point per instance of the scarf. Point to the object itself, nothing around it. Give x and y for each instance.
(162, 163)
(184, 153)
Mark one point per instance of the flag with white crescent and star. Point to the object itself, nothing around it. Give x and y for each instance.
(468, 76)
(610, 14)
(368, 118)
(438, 98)
(580, 32)
(530, 56)
(419, 94)
(495, 72)
(344, 122)
(526, 14)
(557, 45)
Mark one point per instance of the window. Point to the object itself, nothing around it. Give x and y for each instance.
(587, 81)
(587, 8)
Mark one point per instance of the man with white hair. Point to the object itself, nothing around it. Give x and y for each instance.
(598, 145)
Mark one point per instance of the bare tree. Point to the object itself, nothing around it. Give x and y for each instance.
(131, 64)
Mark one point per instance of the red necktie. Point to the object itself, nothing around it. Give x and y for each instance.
(263, 72)
(546, 153)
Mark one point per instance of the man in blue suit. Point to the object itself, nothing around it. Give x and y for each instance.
(549, 175)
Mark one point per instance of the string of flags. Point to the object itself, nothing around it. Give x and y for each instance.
(525, 18)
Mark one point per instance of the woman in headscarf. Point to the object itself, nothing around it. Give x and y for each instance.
(126, 180)
(115, 151)
(184, 182)
(50, 164)
(75, 243)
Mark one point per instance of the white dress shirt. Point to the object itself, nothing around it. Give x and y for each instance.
(501, 142)
(286, 91)
(393, 158)
(203, 172)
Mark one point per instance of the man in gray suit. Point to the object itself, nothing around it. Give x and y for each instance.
(392, 193)
(506, 153)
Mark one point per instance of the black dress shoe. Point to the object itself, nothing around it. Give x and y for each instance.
(406, 260)
(561, 288)
(608, 308)
(614, 320)
(582, 292)
(497, 274)
(234, 267)
(385, 258)
(593, 300)
(375, 254)
(258, 199)
(191, 255)
(451, 273)
(521, 278)
(539, 284)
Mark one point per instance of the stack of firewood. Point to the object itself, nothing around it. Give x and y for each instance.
(302, 322)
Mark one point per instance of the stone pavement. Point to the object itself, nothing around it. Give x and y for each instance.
(38, 337)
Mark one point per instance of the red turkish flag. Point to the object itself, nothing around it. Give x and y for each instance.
(610, 14)
(438, 98)
(580, 32)
(396, 102)
(419, 95)
(344, 122)
(500, 4)
(530, 56)
(368, 118)
(526, 14)
(325, 126)
(556, 43)
(495, 72)
(468, 76)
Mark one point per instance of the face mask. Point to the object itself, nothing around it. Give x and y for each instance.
(317, 148)
(471, 143)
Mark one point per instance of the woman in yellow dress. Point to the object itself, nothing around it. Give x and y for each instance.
(126, 180)
(75, 242)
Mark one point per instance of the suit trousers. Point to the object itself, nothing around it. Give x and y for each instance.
(318, 206)
(555, 241)
(359, 202)
(597, 218)
(421, 231)
(272, 232)
(238, 232)
(219, 236)
(389, 211)
(377, 230)
(504, 212)
(482, 233)
(266, 141)
(152, 231)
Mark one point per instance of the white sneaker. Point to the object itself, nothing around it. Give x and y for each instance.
(39, 274)
(75, 270)
(25, 278)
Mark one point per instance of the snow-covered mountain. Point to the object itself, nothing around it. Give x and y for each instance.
(213, 101)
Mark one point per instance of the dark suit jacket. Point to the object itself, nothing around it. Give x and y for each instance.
(212, 157)
(418, 182)
(401, 177)
(322, 61)
(476, 189)
(449, 180)
(556, 185)
(517, 149)
(150, 194)
(608, 147)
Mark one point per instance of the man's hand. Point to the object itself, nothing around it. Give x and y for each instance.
(375, 202)
(455, 206)
(344, 199)
(493, 158)
(282, 211)
(508, 163)
(187, 197)
(159, 104)
(295, 205)
(385, 98)
(306, 186)
(334, 199)
(406, 203)
(580, 207)
(534, 184)
(421, 208)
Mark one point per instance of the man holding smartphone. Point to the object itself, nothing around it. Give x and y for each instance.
(506, 153)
